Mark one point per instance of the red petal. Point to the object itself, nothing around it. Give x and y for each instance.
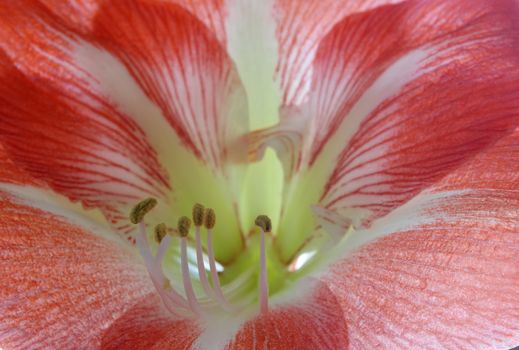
(12, 174)
(148, 326)
(58, 124)
(181, 67)
(316, 323)
(62, 285)
(452, 282)
(406, 93)
(77, 14)
(301, 26)
(211, 12)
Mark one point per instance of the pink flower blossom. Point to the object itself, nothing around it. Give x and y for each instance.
(361, 158)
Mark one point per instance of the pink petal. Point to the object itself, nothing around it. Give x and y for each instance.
(182, 68)
(402, 95)
(450, 281)
(57, 124)
(62, 285)
(437, 90)
(211, 12)
(301, 26)
(315, 323)
(77, 14)
(148, 326)
(12, 174)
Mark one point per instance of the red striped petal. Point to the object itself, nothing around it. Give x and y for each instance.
(12, 174)
(315, 323)
(62, 285)
(77, 14)
(403, 95)
(450, 281)
(300, 27)
(458, 97)
(60, 127)
(211, 12)
(182, 68)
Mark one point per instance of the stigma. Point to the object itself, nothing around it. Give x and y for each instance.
(184, 300)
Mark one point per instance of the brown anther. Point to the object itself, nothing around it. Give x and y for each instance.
(209, 218)
(264, 222)
(184, 224)
(141, 209)
(161, 231)
(198, 214)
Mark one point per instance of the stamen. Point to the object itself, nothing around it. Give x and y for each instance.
(160, 232)
(171, 298)
(198, 214)
(263, 221)
(144, 249)
(265, 224)
(141, 209)
(162, 237)
(209, 222)
(209, 218)
(198, 219)
(184, 224)
(163, 248)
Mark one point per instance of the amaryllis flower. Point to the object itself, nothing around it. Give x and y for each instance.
(242, 174)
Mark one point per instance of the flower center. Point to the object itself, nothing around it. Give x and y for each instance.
(183, 300)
